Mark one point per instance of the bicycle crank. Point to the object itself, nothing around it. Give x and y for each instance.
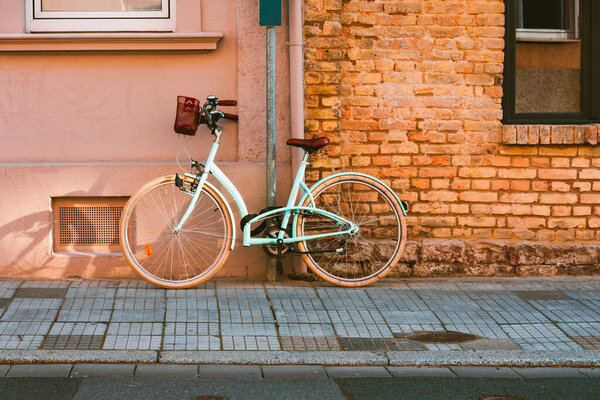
(276, 250)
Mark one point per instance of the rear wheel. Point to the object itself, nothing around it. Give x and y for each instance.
(170, 259)
(355, 259)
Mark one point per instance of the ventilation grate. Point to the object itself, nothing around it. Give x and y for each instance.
(87, 224)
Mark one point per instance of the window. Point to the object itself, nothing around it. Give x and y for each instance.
(542, 20)
(551, 72)
(99, 15)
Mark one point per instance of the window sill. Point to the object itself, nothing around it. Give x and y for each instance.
(551, 134)
(110, 41)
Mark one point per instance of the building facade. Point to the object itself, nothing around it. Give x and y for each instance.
(481, 114)
(87, 105)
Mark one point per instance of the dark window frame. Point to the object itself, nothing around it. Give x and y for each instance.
(590, 71)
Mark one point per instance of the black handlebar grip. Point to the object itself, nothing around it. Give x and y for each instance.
(231, 103)
(232, 117)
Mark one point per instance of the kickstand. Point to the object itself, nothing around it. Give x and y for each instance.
(279, 257)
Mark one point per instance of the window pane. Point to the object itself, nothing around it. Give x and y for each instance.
(542, 14)
(101, 5)
(548, 75)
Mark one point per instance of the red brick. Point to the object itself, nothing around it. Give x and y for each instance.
(559, 186)
(421, 160)
(501, 161)
(590, 199)
(522, 186)
(480, 184)
(419, 183)
(526, 222)
(520, 162)
(461, 184)
(381, 160)
(561, 211)
(482, 197)
(559, 198)
(559, 174)
(589, 173)
(438, 196)
(539, 186)
(500, 185)
(477, 221)
(540, 161)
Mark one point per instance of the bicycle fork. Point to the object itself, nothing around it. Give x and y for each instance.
(201, 182)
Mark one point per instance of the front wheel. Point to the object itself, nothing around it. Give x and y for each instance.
(363, 257)
(164, 257)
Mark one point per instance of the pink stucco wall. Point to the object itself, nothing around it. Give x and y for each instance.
(100, 124)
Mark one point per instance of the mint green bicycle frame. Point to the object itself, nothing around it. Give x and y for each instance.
(211, 168)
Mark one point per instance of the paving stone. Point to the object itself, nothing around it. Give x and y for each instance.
(73, 342)
(357, 372)
(163, 370)
(229, 371)
(377, 344)
(39, 370)
(542, 295)
(4, 369)
(41, 293)
(309, 343)
(490, 344)
(530, 373)
(293, 371)
(409, 372)
(96, 370)
(484, 372)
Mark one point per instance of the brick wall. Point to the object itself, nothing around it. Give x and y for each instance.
(410, 91)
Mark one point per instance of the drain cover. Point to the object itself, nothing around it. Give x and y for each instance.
(442, 337)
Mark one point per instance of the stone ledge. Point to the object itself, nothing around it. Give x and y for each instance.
(110, 41)
(551, 134)
(434, 258)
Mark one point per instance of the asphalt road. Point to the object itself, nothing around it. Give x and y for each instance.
(301, 388)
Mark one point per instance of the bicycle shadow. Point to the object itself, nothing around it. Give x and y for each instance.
(27, 243)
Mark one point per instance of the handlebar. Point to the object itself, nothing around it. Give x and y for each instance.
(231, 117)
(209, 114)
(228, 103)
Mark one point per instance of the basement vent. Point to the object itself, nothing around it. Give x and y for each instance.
(87, 224)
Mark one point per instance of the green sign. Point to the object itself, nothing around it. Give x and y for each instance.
(270, 13)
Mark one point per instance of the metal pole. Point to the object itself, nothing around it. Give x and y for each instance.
(271, 136)
(296, 94)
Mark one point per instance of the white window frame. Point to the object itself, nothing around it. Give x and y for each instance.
(549, 35)
(37, 20)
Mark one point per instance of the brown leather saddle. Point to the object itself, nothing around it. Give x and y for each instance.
(309, 145)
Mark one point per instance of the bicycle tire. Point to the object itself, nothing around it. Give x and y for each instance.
(372, 252)
(165, 258)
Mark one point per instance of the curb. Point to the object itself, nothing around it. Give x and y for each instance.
(495, 358)
(77, 356)
(275, 357)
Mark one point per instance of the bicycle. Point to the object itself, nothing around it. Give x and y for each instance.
(177, 231)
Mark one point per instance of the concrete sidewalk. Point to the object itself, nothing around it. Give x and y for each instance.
(513, 322)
